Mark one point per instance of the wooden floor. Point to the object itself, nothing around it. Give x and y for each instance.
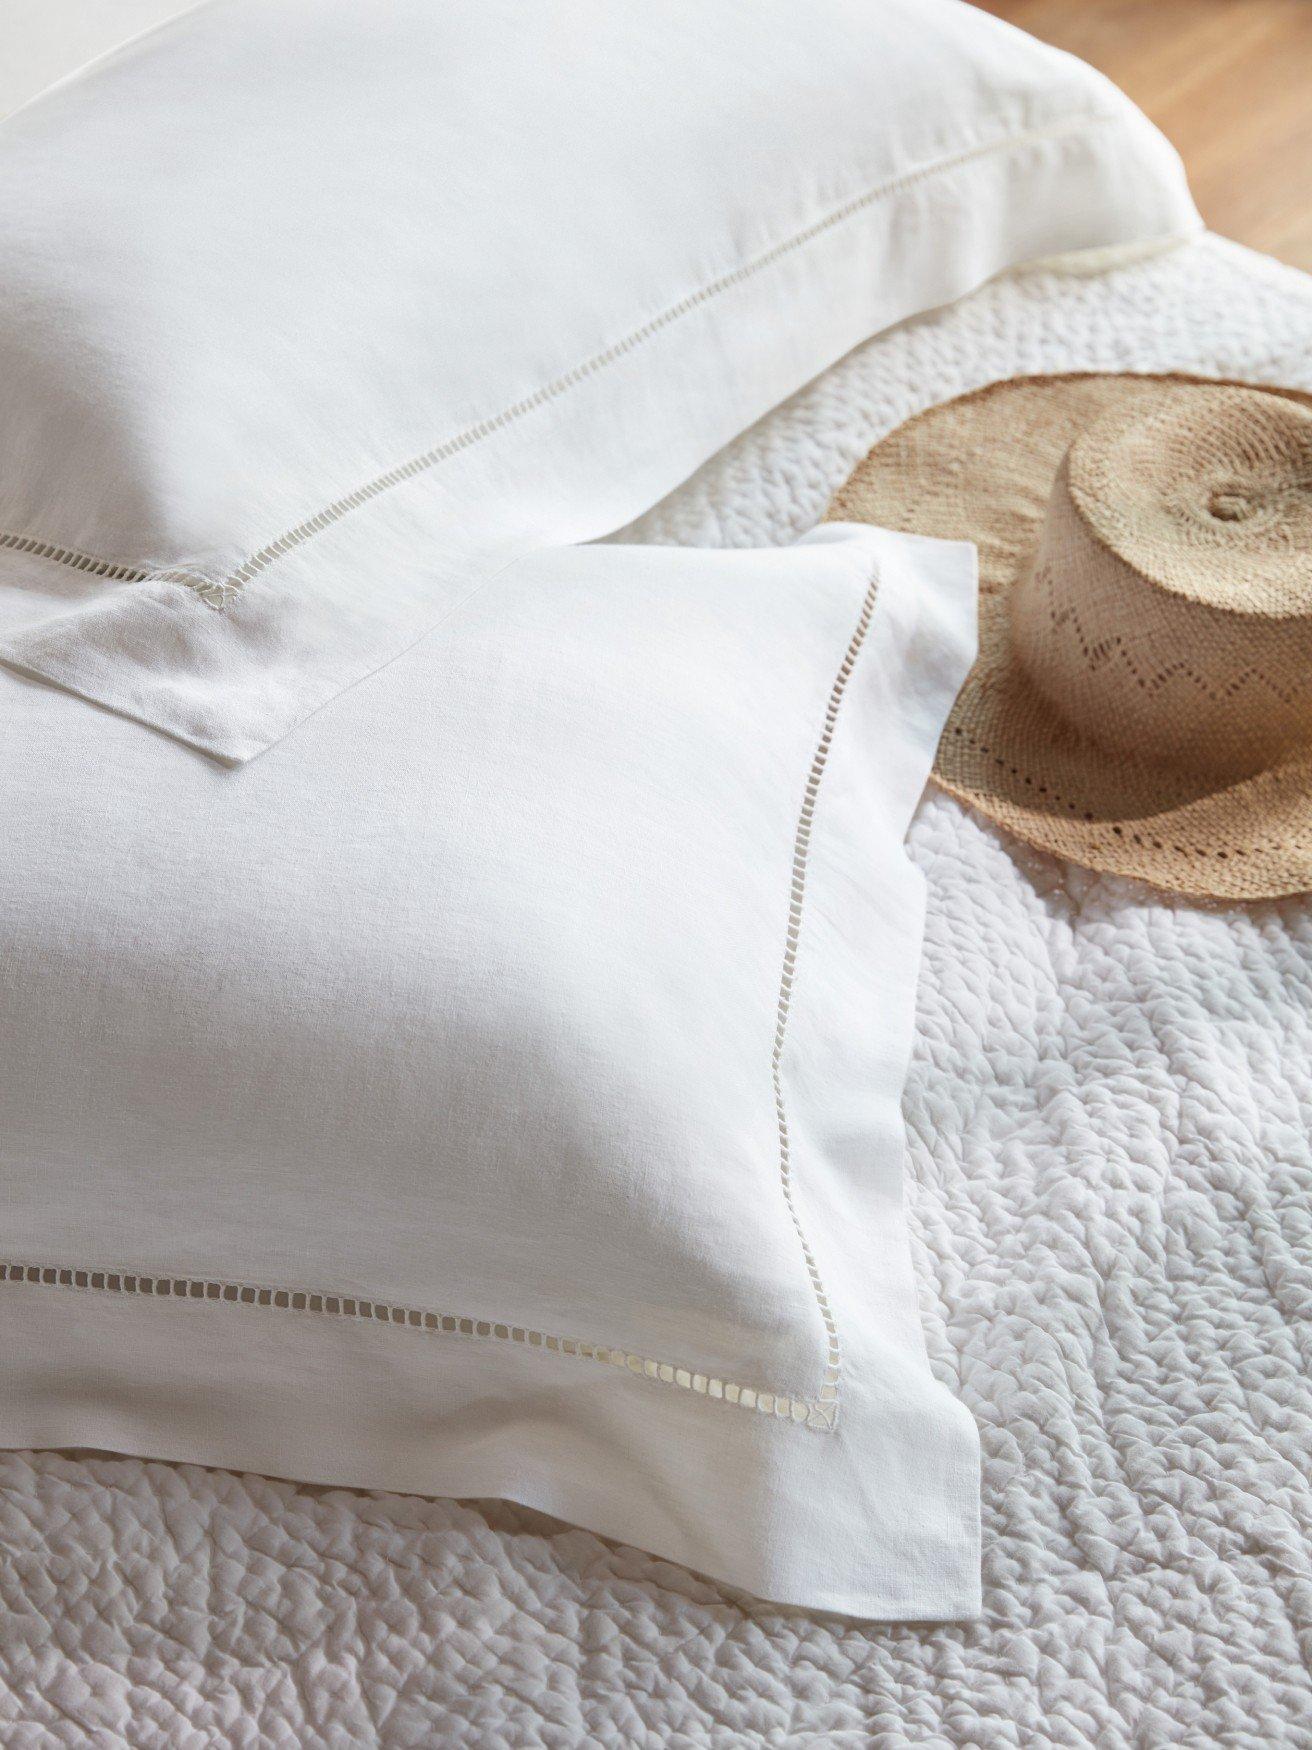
(1230, 84)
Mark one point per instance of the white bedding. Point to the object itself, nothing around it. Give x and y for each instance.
(1111, 1193)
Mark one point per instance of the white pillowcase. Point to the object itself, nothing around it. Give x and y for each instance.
(494, 1089)
(313, 315)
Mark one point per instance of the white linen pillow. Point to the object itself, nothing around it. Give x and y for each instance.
(517, 1113)
(314, 315)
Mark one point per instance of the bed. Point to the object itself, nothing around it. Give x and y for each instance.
(1110, 1177)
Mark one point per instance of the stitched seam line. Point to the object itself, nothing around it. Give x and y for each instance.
(820, 1412)
(220, 594)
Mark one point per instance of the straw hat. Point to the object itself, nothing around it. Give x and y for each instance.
(1142, 700)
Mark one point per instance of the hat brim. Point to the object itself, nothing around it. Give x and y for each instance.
(981, 468)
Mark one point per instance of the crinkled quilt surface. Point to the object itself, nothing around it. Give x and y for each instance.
(1111, 1186)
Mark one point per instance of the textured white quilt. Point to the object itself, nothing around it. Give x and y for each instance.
(1111, 1189)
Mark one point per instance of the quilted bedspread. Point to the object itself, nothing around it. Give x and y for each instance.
(1110, 1179)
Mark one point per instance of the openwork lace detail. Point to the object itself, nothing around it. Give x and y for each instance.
(828, 1396)
(214, 595)
(71, 557)
(220, 594)
(818, 1412)
(346, 1306)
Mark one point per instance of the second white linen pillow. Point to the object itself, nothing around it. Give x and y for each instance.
(314, 316)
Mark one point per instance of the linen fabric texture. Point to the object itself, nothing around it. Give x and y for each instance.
(517, 1114)
(308, 326)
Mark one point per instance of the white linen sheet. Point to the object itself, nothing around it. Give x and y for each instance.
(1110, 1182)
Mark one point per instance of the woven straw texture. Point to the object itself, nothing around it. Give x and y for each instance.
(1142, 701)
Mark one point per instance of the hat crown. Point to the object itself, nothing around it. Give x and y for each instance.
(1167, 613)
